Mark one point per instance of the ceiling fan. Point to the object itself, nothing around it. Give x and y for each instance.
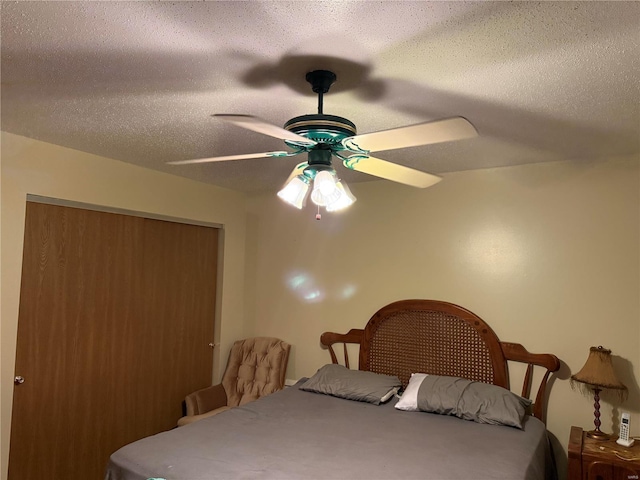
(323, 137)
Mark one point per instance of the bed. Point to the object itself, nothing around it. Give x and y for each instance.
(299, 434)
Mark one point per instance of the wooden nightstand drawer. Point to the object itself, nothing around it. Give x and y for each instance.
(591, 459)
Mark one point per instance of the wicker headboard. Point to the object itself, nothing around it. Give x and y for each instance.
(440, 338)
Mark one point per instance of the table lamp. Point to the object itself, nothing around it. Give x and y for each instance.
(597, 374)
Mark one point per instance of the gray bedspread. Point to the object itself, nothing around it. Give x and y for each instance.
(293, 434)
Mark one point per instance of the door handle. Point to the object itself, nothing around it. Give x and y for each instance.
(19, 380)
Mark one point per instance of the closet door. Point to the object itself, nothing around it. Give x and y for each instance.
(116, 314)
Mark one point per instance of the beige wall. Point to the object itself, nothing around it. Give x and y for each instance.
(547, 254)
(32, 167)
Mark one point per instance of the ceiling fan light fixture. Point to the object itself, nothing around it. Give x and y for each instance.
(323, 137)
(295, 191)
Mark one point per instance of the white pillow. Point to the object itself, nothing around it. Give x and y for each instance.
(409, 399)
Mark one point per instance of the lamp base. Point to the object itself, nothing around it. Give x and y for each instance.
(598, 435)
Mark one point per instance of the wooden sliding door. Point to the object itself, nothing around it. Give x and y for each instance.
(116, 316)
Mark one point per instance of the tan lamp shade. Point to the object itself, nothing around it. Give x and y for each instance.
(598, 371)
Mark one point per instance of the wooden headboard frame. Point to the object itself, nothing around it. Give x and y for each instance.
(440, 338)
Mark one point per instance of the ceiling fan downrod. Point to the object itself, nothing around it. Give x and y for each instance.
(321, 81)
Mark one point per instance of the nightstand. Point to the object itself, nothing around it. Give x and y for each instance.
(591, 459)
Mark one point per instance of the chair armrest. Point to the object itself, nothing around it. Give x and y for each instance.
(194, 418)
(205, 400)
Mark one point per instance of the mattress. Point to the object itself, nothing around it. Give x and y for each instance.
(293, 434)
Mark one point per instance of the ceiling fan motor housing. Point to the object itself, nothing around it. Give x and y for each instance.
(322, 128)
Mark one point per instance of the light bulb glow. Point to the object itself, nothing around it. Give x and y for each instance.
(325, 182)
(324, 189)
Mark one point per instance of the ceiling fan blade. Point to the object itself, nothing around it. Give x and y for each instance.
(258, 125)
(391, 171)
(231, 157)
(456, 128)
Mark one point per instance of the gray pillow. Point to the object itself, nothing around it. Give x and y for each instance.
(475, 401)
(339, 381)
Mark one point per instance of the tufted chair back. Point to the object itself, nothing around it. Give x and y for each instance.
(256, 367)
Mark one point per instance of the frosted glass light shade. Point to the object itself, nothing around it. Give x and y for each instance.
(295, 191)
(328, 191)
(345, 200)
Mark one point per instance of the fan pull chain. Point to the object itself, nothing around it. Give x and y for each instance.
(318, 216)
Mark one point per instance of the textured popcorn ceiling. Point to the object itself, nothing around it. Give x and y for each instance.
(138, 81)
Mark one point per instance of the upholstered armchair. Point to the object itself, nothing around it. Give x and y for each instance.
(256, 367)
